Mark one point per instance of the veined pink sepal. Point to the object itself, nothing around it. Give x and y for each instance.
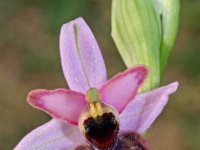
(81, 59)
(53, 135)
(139, 115)
(123, 87)
(62, 104)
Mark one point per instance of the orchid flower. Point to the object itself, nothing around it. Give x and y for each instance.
(94, 111)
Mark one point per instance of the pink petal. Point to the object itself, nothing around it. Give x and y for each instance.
(122, 88)
(81, 59)
(141, 113)
(54, 135)
(60, 103)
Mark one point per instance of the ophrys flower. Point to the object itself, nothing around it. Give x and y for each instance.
(92, 101)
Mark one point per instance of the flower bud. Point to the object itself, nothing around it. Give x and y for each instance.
(144, 32)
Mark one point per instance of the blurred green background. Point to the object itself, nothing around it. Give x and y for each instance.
(29, 59)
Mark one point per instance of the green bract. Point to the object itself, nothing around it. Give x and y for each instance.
(144, 32)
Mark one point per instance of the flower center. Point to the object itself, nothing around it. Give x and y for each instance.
(93, 99)
(99, 123)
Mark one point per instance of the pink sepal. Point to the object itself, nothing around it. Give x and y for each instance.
(81, 59)
(53, 135)
(139, 115)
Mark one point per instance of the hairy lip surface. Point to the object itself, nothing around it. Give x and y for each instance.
(127, 141)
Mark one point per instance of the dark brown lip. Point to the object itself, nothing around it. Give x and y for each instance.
(127, 141)
(102, 131)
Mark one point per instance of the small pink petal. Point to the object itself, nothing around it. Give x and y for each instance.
(122, 88)
(141, 113)
(54, 135)
(60, 103)
(81, 59)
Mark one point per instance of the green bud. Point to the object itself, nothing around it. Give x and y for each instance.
(144, 32)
